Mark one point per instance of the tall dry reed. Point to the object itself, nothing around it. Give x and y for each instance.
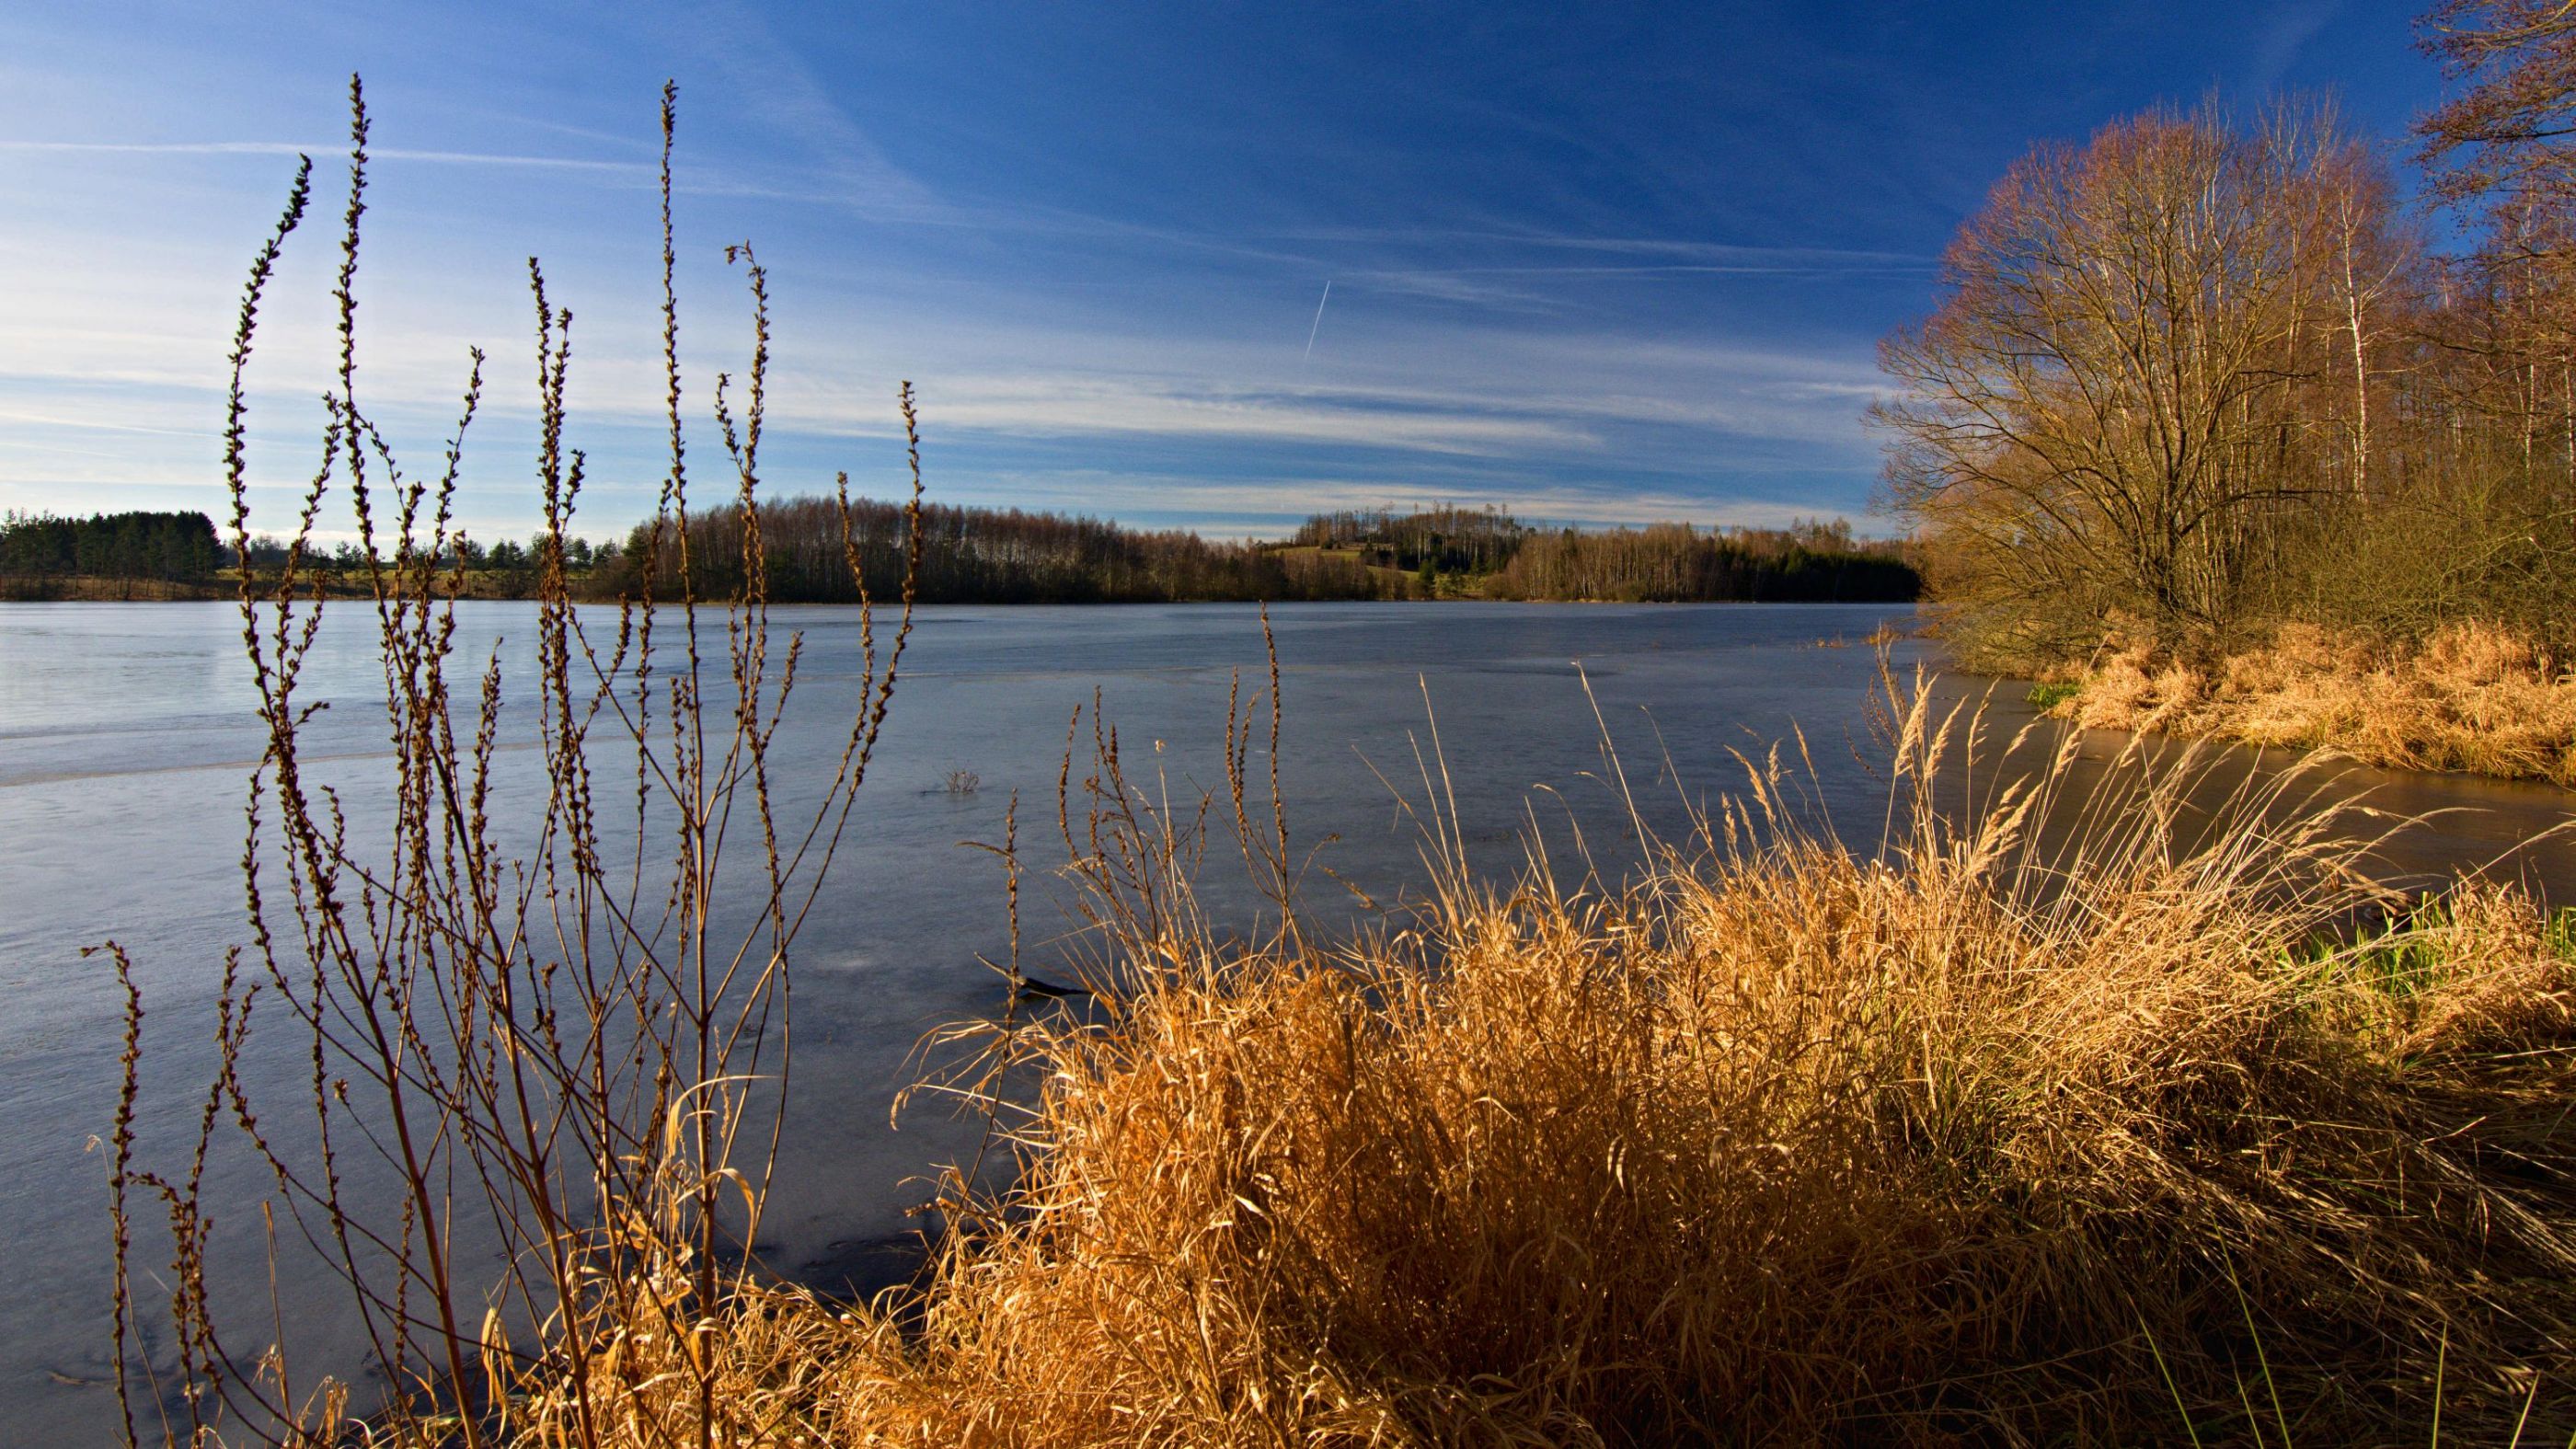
(546, 1025)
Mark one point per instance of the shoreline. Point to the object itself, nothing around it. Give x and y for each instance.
(91, 589)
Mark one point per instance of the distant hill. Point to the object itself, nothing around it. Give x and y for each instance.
(1488, 553)
(978, 556)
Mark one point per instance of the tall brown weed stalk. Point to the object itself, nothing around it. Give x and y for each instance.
(545, 1027)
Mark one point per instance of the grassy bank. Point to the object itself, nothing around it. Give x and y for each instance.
(226, 586)
(92, 588)
(1789, 1142)
(2470, 697)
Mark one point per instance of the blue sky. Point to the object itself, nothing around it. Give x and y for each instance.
(1597, 265)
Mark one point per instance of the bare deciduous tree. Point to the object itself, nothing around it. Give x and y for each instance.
(2119, 395)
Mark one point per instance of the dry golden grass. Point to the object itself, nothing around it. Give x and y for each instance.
(2472, 697)
(1968, 1140)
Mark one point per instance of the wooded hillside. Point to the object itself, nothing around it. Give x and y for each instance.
(975, 555)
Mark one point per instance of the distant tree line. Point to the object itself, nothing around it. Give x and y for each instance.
(1009, 556)
(505, 569)
(1676, 563)
(985, 555)
(1500, 557)
(2201, 375)
(175, 547)
(971, 555)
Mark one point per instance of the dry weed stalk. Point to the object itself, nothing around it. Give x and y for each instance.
(534, 1039)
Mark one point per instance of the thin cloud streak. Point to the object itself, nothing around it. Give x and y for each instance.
(1073, 405)
(636, 169)
(1639, 246)
(48, 420)
(1250, 507)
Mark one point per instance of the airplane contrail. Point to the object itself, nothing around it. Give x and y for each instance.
(1319, 320)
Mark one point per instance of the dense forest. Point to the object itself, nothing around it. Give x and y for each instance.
(972, 555)
(167, 547)
(2204, 375)
(1676, 563)
(1488, 552)
(980, 555)
(1495, 555)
